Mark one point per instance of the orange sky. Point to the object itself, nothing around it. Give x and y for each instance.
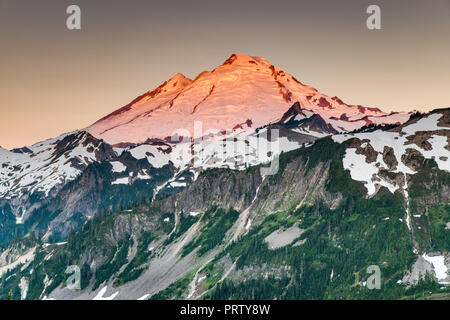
(53, 80)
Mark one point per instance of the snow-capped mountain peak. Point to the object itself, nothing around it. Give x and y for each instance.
(176, 83)
(243, 88)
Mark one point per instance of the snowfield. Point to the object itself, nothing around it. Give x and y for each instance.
(118, 166)
(22, 259)
(214, 120)
(42, 166)
(368, 173)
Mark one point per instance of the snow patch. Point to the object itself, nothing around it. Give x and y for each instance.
(23, 285)
(101, 293)
(438, 262)
(121, 181)
(118, 166)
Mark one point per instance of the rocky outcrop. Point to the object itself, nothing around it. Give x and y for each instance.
(389, 158)
(363, 147)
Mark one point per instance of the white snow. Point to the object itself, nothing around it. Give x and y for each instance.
(428, 123)
(438, 263)
(194, 213)
(101, 293)
(247, 88)
(121, 181)
(175, 184)
(157, 155)
(143, 177)
(118, 166)
(26, 257)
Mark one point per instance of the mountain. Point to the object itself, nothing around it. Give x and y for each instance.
(246, 92)
(163, 139)
(271, 190)
(54, 186)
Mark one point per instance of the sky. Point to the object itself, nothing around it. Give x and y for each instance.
(54, 80)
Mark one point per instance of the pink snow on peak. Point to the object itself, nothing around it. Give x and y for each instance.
(242, 88)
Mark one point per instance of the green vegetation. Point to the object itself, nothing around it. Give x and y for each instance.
(117, 258)
(176, 289)
(135, 268)
(216, 223)
(344, 241)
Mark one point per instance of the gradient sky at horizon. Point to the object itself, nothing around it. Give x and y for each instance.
(53, 80)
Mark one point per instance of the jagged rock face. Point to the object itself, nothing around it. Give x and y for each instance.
(95, 191)
(306, 121)
(413, 159)
(318, 124)
(298, 185)
(49, 164)
(228, 190)
(363, 147)
(293, 111)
